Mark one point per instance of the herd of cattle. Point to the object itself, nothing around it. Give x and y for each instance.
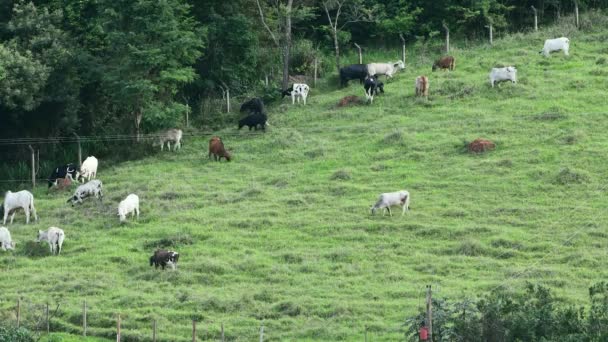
(368, 74)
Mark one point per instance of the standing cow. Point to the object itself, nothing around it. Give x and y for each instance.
(297, 91)
(422, 86)
(353, 72)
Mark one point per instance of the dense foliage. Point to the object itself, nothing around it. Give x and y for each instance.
(11, 334)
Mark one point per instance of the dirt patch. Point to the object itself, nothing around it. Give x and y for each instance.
(350, 100)
(481, 145)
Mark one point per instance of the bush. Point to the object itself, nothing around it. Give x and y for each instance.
(9, 334)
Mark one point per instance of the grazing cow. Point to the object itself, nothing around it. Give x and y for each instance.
(372, 86)
(422, 86)
(63, 171)
(353, 72)
(253, 106)
(5, 239)
(54, 236)
(447, 62)
(91, 188)
(388, 199)
(388, 69)
(129, 205)
(498, 75)
(16, 200)
(163, 258)
(216, 148)
(253, 121)
(171, 135)
(88, 169)
(556, 44)
(297, 90)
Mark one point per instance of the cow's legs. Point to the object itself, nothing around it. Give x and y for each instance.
(389, 211)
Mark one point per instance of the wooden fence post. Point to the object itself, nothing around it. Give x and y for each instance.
(48, 325)
(491, 33)
(365, 333)
(447, 37)
(19, 310)
(360, 55)
(154, 331)
(222, 332)
(535, 18)
(402, 47)
(84, 318)
(226, 90)
(193, 331)
(576, 13)
(33, 166)
(262, 333)
(118, 329)
(314, 80)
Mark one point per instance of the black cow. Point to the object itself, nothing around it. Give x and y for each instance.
(353, 72)
(253, 106)
(253, 121)
(64, 171)
(163, 258)
(372, 87)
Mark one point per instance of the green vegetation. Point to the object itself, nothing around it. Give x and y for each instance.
(282, 235)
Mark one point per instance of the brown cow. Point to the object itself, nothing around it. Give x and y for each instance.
(216, 148)
(447, 62)
(422, 86)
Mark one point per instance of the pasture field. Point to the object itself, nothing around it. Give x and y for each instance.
(282, 235)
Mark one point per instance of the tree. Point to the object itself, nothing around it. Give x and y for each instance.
(149, 52)
(352, 11)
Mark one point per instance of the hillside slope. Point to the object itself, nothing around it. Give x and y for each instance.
(282, 235)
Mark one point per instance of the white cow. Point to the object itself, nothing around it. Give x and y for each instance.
(88, 169)
(16, 200)
(91, 188)
(5, 239)
(129, 205)
(556, 44)
(388, 69)
(54, 236)
(503, 74)
(388, 199)
(171, 135)
(297, 91)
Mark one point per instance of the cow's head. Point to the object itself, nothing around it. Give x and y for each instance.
(399, 65)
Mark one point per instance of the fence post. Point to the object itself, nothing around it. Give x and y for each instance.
(262, 333)
(360, 55)
(84, 318)
(33, 167)
(576, 13)
(222, 332)
(79, 149)
(491, 33)
(535, 18)
(314, 81)
(402, 47)
(227, 90)
(447, 37)
(118, 329)
(365, 333)
(19, 311)
(193, 331)
(48, 325)
(154, 330)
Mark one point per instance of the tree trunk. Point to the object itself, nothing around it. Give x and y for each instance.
(138, 117)
(337, 49)
(287, 45)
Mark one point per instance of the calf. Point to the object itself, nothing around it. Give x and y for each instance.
(253, 106)
(388, 69)
(216, 148)
(16, 200)
(297, 90)
(63, 171)
(129, 205)
(503, 74)
(447, 62)
(163, 258)
(171, 135)
(54, 236)
(422, 86)
(353, 72)
(92, 188)
(372, 86)
(5, 239)
(556, 44)
(253, 121)
(88, 169)
(386, 200)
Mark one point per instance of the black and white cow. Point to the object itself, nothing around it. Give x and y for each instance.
(353, 72)
(163, 258)
(297, 90)
(64, 171)
(253, 106)
(372, 87)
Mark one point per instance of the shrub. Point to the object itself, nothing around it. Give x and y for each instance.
(341, 175)
(10, 334)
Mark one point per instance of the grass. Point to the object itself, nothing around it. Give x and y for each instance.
(282, 235)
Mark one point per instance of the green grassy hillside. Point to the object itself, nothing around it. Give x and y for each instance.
(283, 235)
